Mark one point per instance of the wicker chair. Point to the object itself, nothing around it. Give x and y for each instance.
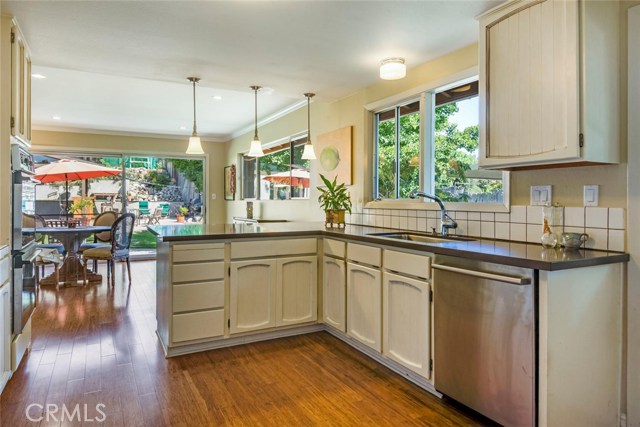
(121, 232)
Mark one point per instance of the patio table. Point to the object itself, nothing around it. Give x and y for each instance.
(71, 238)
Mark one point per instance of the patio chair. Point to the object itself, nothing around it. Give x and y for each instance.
(165, 209)
(156, 217)
(143, 206)
(49, 250)
(121, 232)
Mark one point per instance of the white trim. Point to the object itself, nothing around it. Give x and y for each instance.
(279, 114)
(90, 131)
(83, 150)
(409, 204)
(633, 226)
(439, 85)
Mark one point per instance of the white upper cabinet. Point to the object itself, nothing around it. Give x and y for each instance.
(549, 83)
(20, 86)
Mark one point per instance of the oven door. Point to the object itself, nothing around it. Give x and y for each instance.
(24, 287)
(24, 200)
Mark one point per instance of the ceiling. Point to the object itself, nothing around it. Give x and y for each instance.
(121, 66)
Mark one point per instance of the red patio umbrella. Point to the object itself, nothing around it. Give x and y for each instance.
(72, 170)
(295, 177)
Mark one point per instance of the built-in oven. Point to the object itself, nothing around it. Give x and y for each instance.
(23, 243)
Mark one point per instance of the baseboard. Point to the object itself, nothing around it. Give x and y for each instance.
(4, 379)
(19, 346)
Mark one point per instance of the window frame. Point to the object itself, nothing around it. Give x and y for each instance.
(293, 141)
(426, 94)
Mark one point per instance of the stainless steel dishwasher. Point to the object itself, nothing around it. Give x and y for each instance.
(485, 331)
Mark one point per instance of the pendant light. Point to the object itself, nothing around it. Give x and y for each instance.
(195, 147)
(255, 150)
(308, 153)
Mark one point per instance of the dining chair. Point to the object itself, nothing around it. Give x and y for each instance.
(121, 232)
(100, 239)
(49, 250)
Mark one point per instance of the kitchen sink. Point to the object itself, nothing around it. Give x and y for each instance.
(422, 238)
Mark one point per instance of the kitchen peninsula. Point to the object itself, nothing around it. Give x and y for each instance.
(228, 284)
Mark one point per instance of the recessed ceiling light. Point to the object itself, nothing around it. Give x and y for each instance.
(38, 76)
(56, 118)
(217, 97)
(183, 128)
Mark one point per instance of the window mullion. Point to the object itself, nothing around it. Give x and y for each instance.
(427, 106)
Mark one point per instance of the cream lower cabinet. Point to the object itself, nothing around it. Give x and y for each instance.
(296, 290)
(406, 328)
(253, 295)
(334, 285)
(5, 317)
(364, 305)
(267, 293)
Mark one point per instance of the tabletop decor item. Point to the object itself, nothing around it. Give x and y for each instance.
(573, 240)
(335, 201)
(548, 238)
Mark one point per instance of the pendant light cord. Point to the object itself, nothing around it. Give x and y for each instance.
(309, 96)
(255, 104)
(194, 80)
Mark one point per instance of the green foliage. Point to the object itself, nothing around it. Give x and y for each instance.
(183, 210)
(454, 155)
(158, 178)
(80, 204)
(191, 169)
(335, 196)
(143, 239)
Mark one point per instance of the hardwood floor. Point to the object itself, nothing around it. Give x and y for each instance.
(97, 345)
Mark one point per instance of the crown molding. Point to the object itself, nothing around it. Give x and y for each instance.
(124, 133)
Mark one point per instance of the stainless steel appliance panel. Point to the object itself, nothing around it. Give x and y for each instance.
(24, 287)
(484, 319)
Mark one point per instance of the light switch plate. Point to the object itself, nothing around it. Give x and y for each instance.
(591, 195)
(540, 195)
(213, 196)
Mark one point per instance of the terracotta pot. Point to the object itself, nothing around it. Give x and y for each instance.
(180, 218)
(334, 217)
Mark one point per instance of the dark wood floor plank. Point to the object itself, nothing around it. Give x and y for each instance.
(96, 345)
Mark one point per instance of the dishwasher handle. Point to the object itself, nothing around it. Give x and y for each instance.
(484, 275)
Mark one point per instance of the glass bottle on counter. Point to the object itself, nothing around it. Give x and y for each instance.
(548, 238)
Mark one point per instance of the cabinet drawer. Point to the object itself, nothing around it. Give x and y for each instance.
(334, 248)
(200, 272)
(198, 252)
(364, 254)
(409, 264)
(198, 296)
(270, 248)
(197, 326)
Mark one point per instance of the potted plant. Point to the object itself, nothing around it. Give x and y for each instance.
(182, 211)
(82, 207)
(335, 201)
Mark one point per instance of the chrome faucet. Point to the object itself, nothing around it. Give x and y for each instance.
(446, 221)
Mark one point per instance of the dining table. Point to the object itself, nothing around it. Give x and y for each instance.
(71, 238)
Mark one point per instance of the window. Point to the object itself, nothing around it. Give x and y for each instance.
(442, 158)
(280, 174)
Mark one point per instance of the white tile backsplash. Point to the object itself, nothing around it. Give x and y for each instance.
(574, 217)
(616, 240)
(534, 214)
(502, 230)
(616, 218)
(519, 214)
(606, 226)
(518, 232)
(597, 217)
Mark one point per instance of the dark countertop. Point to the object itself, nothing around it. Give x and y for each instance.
(498, 251)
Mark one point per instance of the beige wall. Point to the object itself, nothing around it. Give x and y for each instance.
(148, 146)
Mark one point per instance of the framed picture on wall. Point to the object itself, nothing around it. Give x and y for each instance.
(230, 182)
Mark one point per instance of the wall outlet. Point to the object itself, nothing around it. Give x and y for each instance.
(591, 195)
(213, 196)
(540, 195)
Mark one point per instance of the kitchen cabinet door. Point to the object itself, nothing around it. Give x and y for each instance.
(549, 91)
(20, 86)
(252, 295)
(5, 333)
(297, 290)
(334, 293)
(406, 332)
(364, 305)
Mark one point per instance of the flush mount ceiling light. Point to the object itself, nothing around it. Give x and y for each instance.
(392, 69)
(255, 150)
(308, 153)
(195, 147)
